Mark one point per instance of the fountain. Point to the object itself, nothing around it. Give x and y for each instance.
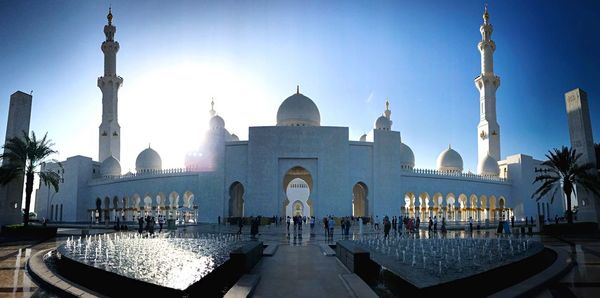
(163, 266)
(435, 265)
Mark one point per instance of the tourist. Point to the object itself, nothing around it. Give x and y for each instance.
(400, 220)
(512, 221)
(151, 225)
(254, 222)
(444, 225)
(343, 225)
(418, 223)
(331, 225)
(140, 224)
(471, 223)
(287, 221)
(348, 224)
(556, 219)
(326, 226)
(386, 226)
(241, 225)
(161, 222)
(430, 224)
(435, 224)
(312, 224)
(376, 226)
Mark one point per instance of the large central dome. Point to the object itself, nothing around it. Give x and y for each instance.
(298, 110)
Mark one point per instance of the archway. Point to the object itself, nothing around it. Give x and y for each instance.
(147, 204)
(462, 201)
(424, 206)
(173, 203)
(409, 204)
(360, 203)
(474, 208)
(106, 209)
(493, 209)
(236, 200)
(298, 185)
(451, 211)
(298, 208)
(438, 205)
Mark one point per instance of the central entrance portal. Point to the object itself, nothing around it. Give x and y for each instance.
(297, 184)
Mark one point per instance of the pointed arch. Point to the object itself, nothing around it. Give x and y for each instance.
(236, 199)
(360, 202)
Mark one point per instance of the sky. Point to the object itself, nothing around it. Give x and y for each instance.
(347, 56)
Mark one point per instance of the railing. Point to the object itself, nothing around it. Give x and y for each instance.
(455, 174)
(150, 173)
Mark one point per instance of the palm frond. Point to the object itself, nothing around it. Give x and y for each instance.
(50, 178)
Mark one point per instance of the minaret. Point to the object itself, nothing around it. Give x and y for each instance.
(488, 130)
(110, 131)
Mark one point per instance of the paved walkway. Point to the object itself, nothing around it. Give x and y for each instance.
(299, 268)
(300, 271)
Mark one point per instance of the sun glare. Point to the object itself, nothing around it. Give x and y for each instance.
(167, 108)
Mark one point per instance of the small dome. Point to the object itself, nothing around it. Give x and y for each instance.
(383, 123)
(407, 157)
(298, 110)
(234, 138)
(488, 167)
(148, 160)
(110, 167)
(363, 138)
(449, 161)
(216, 122)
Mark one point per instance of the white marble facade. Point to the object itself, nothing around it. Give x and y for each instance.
(228, 177)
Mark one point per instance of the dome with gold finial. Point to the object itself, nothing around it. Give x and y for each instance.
(298, 110)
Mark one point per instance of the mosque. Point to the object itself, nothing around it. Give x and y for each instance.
(296, 166)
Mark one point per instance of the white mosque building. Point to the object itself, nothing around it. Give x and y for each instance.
(296, 166)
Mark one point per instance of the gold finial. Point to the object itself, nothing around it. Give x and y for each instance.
(297, 89)
(486, 15)
(109, 16)
(387, 104)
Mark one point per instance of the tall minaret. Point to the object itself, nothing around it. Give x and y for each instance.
(488, 130)
(110, 131)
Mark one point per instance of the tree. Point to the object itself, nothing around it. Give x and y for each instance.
(23, 157)
(562, 171)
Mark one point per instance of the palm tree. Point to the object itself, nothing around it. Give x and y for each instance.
(22, 157)
(562, 171)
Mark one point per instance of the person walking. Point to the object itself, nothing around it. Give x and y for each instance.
(287, 221)
(376, 223)
(140, 224)
(400, 222)
(161, 222)
(240, 225)
(471, 223)
(312, 225)
(386, 227)
(430, 225)
(331, 225)
(435, 224)
(443, 225)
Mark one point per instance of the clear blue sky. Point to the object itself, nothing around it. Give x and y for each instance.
(348, 56)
